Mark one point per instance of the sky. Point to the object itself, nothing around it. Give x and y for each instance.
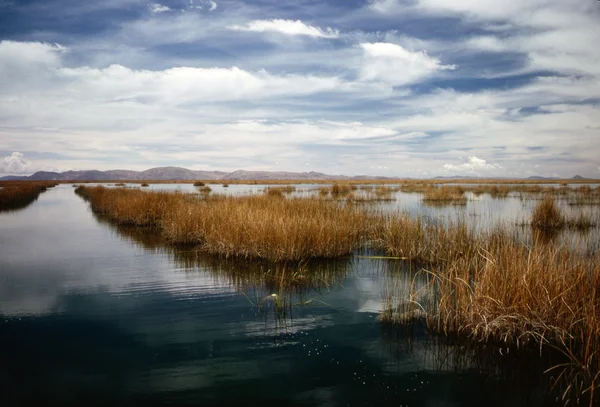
(401, 88)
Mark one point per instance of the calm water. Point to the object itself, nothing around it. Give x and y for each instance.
(94, 315)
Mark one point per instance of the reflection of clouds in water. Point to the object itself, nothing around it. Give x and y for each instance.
(272, 326)
(45, 255)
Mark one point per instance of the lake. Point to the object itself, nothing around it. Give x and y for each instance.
(92, 314)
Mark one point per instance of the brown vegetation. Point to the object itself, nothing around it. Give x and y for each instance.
(279, 191)
(263, 226)
(19, 194)
(547, 214)
(491, 288)
(445, 195)
(486, 286)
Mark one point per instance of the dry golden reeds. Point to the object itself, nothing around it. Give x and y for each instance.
(445, 195)
(279, 191)
(263, 227)
(16, 195)
(547, 214)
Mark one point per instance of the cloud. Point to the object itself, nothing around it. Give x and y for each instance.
(396, 65)
(14, 164)
(472, 165)
(176, 87)
(171, 86)
(158, 8)
(211, 5)
(286, 27)
(553, 35)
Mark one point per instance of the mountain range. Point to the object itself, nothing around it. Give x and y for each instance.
(184, 174)
(178, 173)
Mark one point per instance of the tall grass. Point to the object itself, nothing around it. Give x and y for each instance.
(547, 214)
(446, 195)
(486, 286)
(262, 227)
(519, 296)
(490, 288)
(18, 195)
(421, 240)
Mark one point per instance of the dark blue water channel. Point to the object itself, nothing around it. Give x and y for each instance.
(95, 315)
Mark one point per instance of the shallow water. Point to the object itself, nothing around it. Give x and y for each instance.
(91, 314)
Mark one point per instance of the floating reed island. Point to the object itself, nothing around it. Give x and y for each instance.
(15, 195)
(488, 286)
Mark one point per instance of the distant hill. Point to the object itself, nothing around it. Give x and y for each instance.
(184, 174)
(178, 173)
(538, 178)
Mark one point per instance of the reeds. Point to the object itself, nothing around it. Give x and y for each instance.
(262, 227)
(199, 184)
(445, 195)
(422, 240)
(18, 195)
(488, 287)
(340, 190)
(547, 214)
(279, 191)
(523, 297)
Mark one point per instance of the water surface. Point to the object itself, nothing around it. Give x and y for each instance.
(91, 314)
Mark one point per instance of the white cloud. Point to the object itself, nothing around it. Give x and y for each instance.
(472, 165)
(396, 65)
(553, 34)
(25, 63)
(14, 164)
(158, 8)
(211, 5)
(287, 27)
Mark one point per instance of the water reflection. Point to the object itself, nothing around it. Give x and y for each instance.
(276, 287)
(92, 314)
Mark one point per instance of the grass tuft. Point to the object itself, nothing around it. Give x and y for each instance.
(547, 215)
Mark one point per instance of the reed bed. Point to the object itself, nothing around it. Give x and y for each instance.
(261, 227)
(279, 191)
(489, 287)
(486, 286)
(548, 215)
(445, 195)
(18, 195)
(527, 297)
(341, 190)
(422, 240)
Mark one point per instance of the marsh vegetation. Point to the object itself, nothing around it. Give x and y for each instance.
(15, 195)
(501, 285)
